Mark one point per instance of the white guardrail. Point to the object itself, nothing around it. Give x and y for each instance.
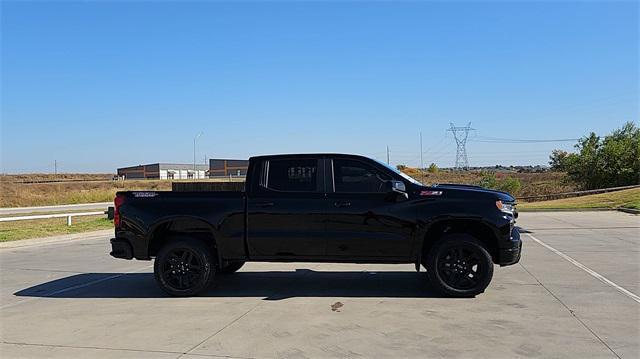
(55, 215)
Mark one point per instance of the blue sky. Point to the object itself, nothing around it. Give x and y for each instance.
(97, 85)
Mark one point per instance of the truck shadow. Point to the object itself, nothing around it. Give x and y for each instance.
(270, 285)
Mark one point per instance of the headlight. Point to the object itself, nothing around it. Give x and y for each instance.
(505, 207)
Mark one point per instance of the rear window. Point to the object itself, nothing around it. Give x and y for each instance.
(295, 175)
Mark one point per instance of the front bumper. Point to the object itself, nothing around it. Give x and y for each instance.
(511, 254)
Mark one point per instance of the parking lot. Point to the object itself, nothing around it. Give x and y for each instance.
(574, 294)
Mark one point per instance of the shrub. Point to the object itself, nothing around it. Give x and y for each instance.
(510, 185)
(507, 184)
(488, 180)
(603, 162)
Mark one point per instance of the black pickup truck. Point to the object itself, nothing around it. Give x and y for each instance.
(320, 208)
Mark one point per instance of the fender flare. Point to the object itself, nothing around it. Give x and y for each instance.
(168, 219)
(439, 220)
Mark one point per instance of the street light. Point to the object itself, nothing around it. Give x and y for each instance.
(195, 172)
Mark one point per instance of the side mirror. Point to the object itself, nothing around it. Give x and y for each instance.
(397, 190)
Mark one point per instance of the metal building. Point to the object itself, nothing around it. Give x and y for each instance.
(220, 167)
(164, 171)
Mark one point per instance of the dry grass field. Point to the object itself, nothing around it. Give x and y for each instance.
(38, 190)
(19, 191)
(36, 177)
(532, 184)
(43, 194)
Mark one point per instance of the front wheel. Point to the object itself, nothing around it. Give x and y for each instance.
(184, 267)
(459, 266)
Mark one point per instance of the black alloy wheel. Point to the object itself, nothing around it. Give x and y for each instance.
(459, 265)
(184, 267)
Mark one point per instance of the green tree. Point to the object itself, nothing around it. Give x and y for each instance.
(558, 160)
(603, 162)
(401, 167)
(433, 168)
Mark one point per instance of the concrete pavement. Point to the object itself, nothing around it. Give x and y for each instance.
(70, 299)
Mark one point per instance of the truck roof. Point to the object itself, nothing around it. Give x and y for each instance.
(308, 155)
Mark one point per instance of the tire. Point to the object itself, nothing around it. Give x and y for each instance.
(184, 267)
(459, 265)
(230, 267)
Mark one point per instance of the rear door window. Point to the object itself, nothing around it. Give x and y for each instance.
(293, 175)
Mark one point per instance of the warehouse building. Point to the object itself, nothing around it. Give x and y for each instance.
(164, 171)
(224, 168)
(217, 167)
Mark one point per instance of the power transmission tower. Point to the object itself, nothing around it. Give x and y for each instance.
(460, 134)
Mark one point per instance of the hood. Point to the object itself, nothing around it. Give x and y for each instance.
(473, 190)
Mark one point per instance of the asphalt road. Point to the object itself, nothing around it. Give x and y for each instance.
(57, 208)
(574, 294)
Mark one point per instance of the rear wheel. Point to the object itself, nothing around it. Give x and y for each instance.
(459, 265)
(184, 267)
(231, 267)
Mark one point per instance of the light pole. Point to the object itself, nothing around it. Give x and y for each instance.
(195, 172)
(421, 161)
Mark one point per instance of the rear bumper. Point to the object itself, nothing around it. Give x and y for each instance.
(121, 248)
(511, 254)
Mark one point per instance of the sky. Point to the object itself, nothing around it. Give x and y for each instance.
(100, 85)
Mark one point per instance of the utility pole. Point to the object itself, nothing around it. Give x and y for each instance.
(421, 160)
(460, 134)
(387, 154)
(195, 172)
(55, 168)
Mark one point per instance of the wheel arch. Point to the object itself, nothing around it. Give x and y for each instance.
(475, 227)
(195, 227)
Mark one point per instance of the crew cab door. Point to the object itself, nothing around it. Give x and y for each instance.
(361, 220)
(285, 212)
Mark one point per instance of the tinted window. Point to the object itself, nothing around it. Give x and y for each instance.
(293, 175)
(355, 176)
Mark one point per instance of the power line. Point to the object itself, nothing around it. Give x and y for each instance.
(519, 140)
(435, 145)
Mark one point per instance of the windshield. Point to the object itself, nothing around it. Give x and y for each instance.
(403, 175)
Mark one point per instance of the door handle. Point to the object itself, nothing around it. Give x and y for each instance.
(265, 204)
(342, 204)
